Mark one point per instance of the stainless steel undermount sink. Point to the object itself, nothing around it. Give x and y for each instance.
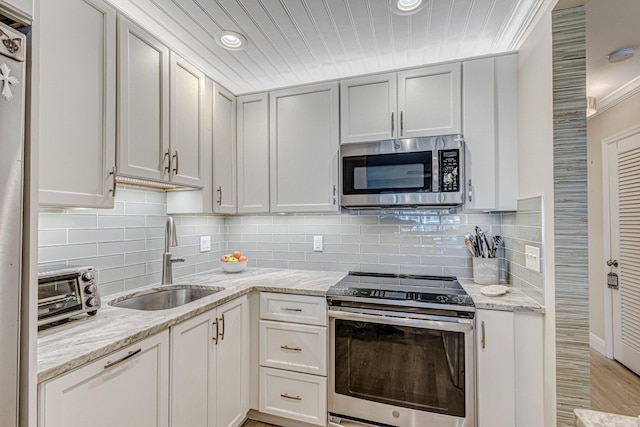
(168, 296)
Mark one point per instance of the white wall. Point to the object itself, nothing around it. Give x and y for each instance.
(535, 170)
(610, 122)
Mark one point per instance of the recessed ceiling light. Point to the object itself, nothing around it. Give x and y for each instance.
(621, 54)
(406, 7)
(231, 40)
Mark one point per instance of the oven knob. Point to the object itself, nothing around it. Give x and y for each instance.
(87, 277)
(92, 302)
(90, 289)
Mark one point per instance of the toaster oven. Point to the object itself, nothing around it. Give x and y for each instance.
(66, 291)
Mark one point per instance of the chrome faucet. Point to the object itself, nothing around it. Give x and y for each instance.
(170, 239)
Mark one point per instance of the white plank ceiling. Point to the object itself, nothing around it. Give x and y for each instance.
(294, 42)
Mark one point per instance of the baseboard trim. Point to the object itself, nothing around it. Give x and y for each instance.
(597, 344)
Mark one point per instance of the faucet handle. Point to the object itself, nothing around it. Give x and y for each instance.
(178, 259)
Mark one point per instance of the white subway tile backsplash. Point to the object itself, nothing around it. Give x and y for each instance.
(64, 252)
(95, 235)
(51, 220)
(126, 249)
(52, 237)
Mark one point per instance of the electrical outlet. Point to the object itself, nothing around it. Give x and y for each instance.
(317, 243)
(532, 258)
(205, 243)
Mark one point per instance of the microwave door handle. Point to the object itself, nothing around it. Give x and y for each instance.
(435, 172)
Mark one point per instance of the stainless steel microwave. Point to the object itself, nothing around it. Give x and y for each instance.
(410, 172)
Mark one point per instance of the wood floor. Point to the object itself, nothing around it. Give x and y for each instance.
(614, 388)
(251, 423)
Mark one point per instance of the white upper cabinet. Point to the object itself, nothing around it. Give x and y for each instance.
(490, 114)
(143, 104)
(224, 151)
(253, 153)
(188, 130)
(74, 102)
(304, 149)
(368, 108)
(429, 101)
(20, 10)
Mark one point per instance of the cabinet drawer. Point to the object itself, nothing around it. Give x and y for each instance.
(293, 308)
(292, 395)
(299, 348)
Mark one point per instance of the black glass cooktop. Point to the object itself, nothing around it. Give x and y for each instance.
(414, 289)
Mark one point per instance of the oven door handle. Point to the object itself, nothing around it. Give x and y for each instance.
(454, 325)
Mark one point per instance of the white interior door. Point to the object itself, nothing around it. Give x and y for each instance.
(624, 202)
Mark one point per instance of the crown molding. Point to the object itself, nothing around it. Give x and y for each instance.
(616, 97)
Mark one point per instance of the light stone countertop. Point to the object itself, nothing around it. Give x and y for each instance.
(513, 300)
(87, 338)
(66, 347)
(588, 418)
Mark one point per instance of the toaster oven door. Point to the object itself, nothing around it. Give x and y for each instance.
(57, 297)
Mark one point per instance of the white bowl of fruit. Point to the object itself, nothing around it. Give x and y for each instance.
(234, 262)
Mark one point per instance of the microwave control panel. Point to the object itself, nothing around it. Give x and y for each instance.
(449, 171)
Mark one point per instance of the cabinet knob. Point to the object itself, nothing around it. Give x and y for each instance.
(612, 263)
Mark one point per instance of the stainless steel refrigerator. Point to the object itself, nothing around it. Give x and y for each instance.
(12, 128)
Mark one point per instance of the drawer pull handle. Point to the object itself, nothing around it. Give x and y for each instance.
(291, 309)
(484, 342)
(286, 396)
(286, 347)
(128, 356)
(215, 335)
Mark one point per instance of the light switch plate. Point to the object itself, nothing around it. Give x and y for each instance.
(317, 243)
(532, 258)
(205, 243)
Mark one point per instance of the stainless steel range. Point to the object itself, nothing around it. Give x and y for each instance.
(401, 352)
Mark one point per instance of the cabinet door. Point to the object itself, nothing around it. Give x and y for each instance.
(479, 132)
(188, 132)
(368, 108)
(74, 90)
(193, 372)
(20, 10)
(224, 151)
(496, 368)
(429, 100)
(253, 153)
(490, 116)
(127, 388)
(304, 149)
(232, 383)
(143, 104)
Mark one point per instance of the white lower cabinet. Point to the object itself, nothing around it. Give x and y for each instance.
(126, 388)
(293, 395)
(509, 369)
(293, 357)
(210, 367)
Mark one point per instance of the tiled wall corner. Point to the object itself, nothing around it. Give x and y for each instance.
(125, 244)
(524, 227)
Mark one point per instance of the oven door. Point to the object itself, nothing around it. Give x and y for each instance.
(401, 372)
(57, 297)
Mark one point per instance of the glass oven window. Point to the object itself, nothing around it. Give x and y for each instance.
(399, 172)
(57, 297)
(409, 367)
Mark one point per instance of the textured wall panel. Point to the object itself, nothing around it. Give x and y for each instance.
(570, 213)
